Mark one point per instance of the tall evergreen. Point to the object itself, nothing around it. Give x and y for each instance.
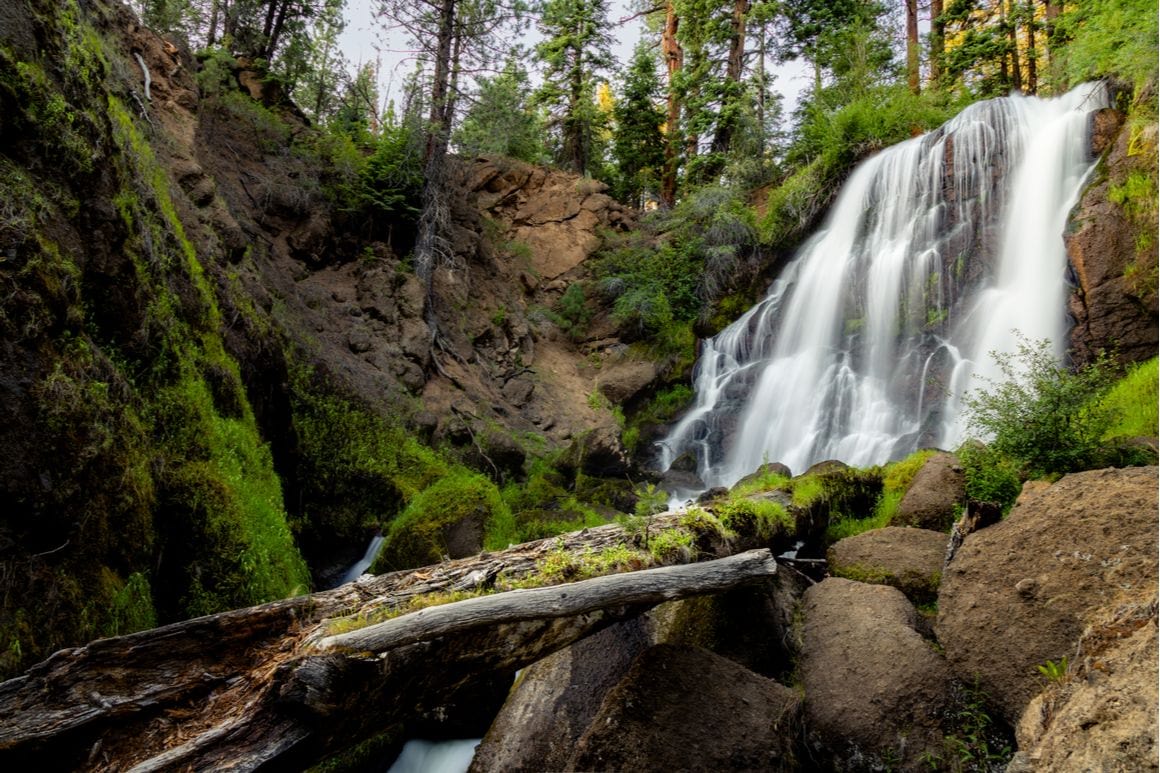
(500, 120)
(638, 144)
(576, 51)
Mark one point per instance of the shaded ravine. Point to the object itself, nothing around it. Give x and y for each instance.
(937, 252)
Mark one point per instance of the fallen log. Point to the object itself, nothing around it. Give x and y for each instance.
(242, 688)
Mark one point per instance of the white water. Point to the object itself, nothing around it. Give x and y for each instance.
(435, 756)
(364, 563)
(863, 349)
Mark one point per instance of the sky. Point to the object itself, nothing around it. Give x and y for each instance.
(367, 39)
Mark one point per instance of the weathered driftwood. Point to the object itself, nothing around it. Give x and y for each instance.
(241, 688)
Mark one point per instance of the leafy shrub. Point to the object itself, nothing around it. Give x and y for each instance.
(1041, 415)
(989, 475)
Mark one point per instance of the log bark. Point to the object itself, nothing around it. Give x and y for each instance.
(241, 689)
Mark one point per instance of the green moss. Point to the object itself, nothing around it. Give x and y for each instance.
(764, 480)
(764, 518)
(461, 498)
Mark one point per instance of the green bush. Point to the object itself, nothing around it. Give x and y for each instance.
(1043, 416)
(989, 475)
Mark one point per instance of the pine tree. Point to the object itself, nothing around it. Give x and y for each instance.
(638, 145)
(577, 49)
(500, 120)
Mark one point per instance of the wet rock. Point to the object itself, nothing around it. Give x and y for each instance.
(908, 559)
(769, 468)
(684, 708)
(935, 497)
(874, 688)
(1021, 592)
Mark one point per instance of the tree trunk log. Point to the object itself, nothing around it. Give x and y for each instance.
(241, 689)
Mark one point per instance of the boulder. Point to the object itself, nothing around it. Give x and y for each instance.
(621, 381)
(935, 496)
(1102, 715)
(875, 689)
(908, 559)
(752, 626)
(684, 708)
(554, 701)
(769, 468)
(1021, 592)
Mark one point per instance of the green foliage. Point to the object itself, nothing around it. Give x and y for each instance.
(638, 145)
(850, 525)
(989, 475)
(355, 466)
(573, 310)
(1041, 415)
(1133, 401)
(766, 518)
(389, 184)
(1110, 37)
(418, 536)
(500, 120)
(1054, 671)
(978, 742)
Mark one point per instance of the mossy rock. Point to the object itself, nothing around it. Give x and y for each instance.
(908, 559)
(447, 519)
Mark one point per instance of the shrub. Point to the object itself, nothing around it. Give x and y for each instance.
(1041, 415)
(989, 475)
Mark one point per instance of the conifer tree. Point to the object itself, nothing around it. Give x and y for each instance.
(638, 145)
(577, 49)
(500, 120)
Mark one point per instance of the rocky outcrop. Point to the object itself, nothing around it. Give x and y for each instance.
(554, 216)
(1021, 593)
(684, 708)
(875, 689)
(1113, 252)
(935, 496)
(908, 559)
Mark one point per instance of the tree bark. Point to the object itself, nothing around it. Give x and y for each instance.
(256, 686)
(1013, 37)
(912, 77)
(1032, 53)
(937, 41)
(734, 63)
(674, 60)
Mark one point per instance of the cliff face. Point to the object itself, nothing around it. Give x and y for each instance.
(200, 349)
(1111, 243)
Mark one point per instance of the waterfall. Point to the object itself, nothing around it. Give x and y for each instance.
(935, 251)
(356, 570)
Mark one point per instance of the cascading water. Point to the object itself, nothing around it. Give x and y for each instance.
(936, 251)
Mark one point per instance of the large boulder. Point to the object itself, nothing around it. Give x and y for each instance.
(555, 700)
(1102, 715)
(935, 496)
(908, 559)
(875, 689)
(752, 626)
(1020, 593)
(684, 708)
